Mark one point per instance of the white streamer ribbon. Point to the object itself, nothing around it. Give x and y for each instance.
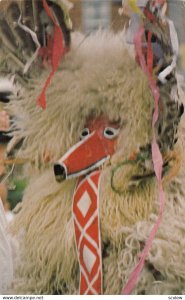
(36, 41)
(175, 47)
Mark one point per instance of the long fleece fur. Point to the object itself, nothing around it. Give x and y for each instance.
(98, 77)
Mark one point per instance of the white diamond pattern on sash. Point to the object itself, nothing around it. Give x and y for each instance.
(84, 204)
(89, 258)
(87, 234)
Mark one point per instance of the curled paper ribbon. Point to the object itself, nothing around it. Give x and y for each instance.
(157, 162)
(36, 41)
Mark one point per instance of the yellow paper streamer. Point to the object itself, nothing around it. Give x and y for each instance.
(135, 8)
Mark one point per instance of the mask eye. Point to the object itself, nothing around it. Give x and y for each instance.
(84, 133)
(110, 132)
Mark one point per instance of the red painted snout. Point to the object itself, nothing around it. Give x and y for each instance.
(96, 146)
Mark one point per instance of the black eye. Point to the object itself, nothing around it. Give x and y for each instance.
(85, 132)
(111, 132)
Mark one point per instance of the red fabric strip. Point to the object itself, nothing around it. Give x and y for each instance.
(58, 50)
(149, 54)
(149, 15)
(87, 234)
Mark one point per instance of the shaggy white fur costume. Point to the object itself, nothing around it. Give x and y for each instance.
(98, 77)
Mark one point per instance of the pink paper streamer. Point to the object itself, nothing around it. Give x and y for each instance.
(158, 164)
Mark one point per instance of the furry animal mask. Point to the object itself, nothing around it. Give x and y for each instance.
(98, 77)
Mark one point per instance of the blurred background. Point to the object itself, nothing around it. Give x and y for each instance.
(88, 15)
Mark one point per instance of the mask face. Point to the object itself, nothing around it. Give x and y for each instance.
(97, 144)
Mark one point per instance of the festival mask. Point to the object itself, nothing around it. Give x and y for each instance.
(97, 144)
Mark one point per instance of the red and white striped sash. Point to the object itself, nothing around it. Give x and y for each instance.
(87, 234)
